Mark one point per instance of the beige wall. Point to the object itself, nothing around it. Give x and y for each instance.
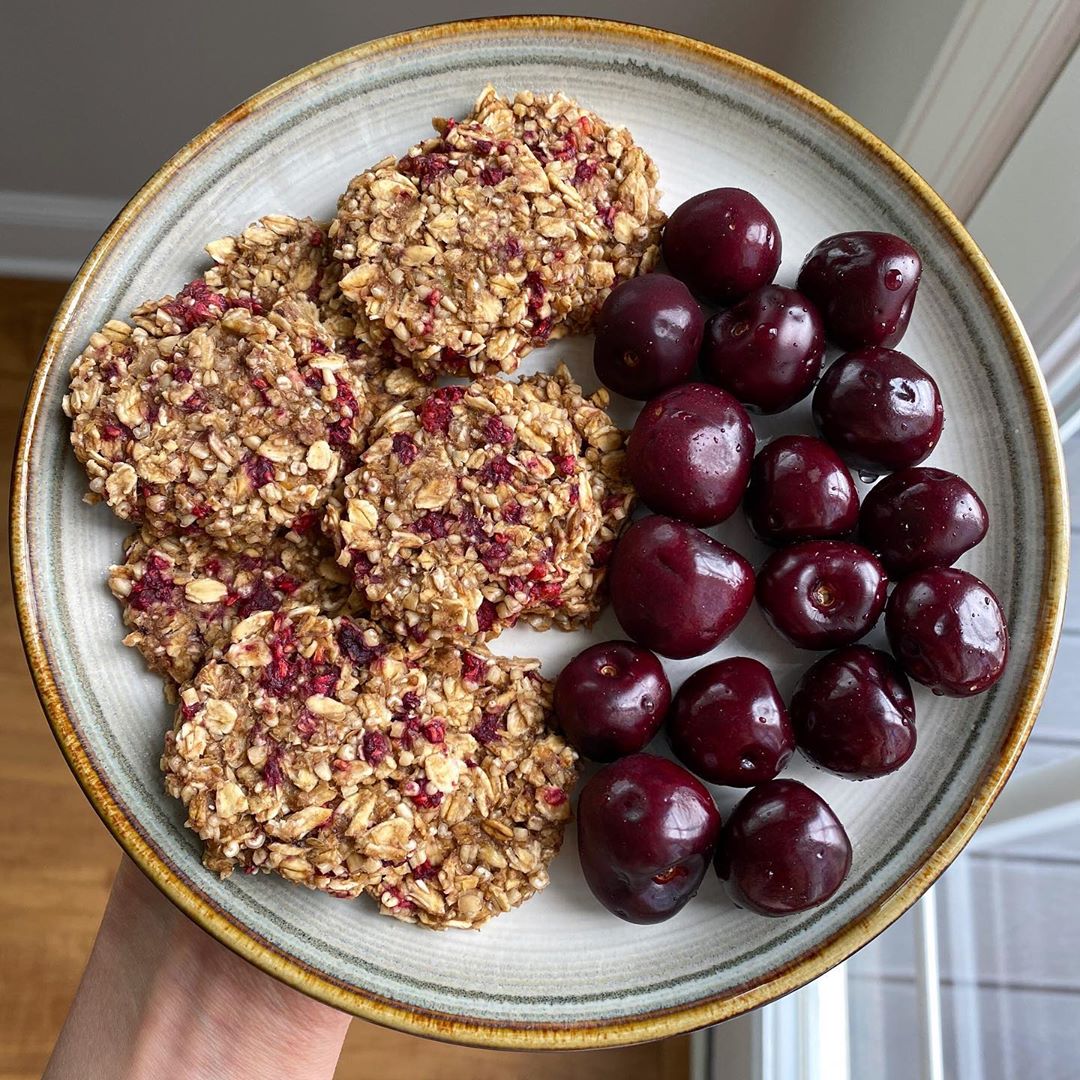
(95, 95)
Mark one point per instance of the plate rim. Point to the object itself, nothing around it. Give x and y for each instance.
(648, 1025)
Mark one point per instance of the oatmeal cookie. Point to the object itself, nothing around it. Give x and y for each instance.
(477, 506)
(608, 180)
(318, 749)
(233, 429)
(182, 595)
(460, 256)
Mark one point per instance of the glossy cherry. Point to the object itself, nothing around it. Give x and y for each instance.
(723, 243)
(648, 336)
(766, 350)
(948, 631)
(865, 285)
(729, 725)
(782, 850)
(800, 489)
(822, 594)
(879, 409)
(675, 589)
(854, 714)
(646, 832)
(689, 453)
(611, 699)
(921, 517)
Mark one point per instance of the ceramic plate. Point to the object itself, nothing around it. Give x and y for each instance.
(560, 971)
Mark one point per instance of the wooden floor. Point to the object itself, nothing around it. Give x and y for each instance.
(60, 861)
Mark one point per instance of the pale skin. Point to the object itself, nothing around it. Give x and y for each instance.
(161, 998)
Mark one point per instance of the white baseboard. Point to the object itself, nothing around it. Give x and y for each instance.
(46, 235)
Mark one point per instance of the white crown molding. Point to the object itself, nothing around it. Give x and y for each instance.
(994, 68)
(48, 235)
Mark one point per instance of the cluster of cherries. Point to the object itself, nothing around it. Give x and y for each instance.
(647, 827)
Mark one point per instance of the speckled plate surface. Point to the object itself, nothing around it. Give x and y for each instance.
(559, 972)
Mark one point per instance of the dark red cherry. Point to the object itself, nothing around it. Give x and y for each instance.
(723, 244)
(854, 714)
(782, 850)
(879, 409)
(689, 453)
(648, 336)
(729, 725)
(822, 594)
(800, 489)
(611, 699)
(766, 350)
(865, 284)
(675, 589)
(948, 631)
(646, 832)
(921, 517)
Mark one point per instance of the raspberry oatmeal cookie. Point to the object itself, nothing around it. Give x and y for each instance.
(477, 506)
(608, 181)
(317, 749)
(182, 595)
(233, 429)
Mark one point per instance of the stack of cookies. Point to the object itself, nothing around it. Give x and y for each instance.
(327, 535)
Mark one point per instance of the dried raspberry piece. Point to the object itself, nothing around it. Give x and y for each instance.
(303, 522)
(434, 523)
(340, 432)
(485, 616)
(307, 725)
(513, 512)
(376, 747)
(494, 554)
(473, 669)
(470, 525)
(286, 584)
(180, 374)
(324, 679)
(565, 464)
(547, 592)
(495, 431)
(272, 769)
(554, 796)
(435, 731)
(534, 283)
(427, 168)
(497, 469)
(259, 598)
(259, 469)
(424, 871)
(585, 171)
(487, 731)
(154, 587)
(405, 448)
(427, 799)
(352, 645)
(452, 361)
(492, 176)
(280, 676)
(189, 712)
(436, 411)
(195, 304)
(606, 213)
